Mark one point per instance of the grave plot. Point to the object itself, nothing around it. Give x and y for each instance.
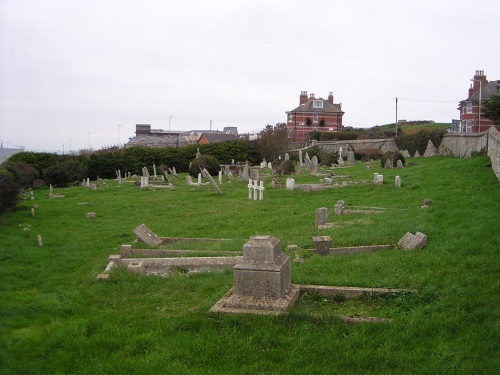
(151, 254)
(262, 285)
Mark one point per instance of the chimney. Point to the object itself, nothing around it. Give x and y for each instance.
(303, 97)
(311, 96)
(479, 76)
(330, 98)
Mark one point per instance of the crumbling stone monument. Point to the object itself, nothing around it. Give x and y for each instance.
(412, 241)
(262, 281)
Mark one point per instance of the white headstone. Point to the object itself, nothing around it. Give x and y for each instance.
(290, 184)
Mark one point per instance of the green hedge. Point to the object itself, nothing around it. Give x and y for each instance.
(418, 141)
(104, 164)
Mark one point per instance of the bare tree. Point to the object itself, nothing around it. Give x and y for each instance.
(273, 141)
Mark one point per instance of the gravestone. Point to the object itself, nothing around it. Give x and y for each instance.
(261, 281)
(146, 235)
(90, 215)
(399, 163)
(417, 154)
(301, 161)
(290, 184)
(322, 244)
(189, 180)
(270, 165)
(209, 178)
(412, 241)
(379, 179)
(220, 176)
(199, 178)
(338, 208)
(254, 174)
(430, 150)
(246, 172)
(375, 177)
(406, 154)
(427, 202)
(287, 157)
(350, 158)
(313, 165)
(321, 216)
(397, 182)
(340, 161)
(226, 170)
(388, 164)
(307, 161)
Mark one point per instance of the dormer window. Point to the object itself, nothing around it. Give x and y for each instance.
(317, 103)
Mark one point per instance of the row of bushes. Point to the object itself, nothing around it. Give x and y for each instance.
(333, 136)
(418, 141)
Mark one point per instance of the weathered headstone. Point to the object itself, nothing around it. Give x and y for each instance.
(417, 154)
(313, 166)
(262, 281)
(301, 161)
(270, 165)
(427, 202)
(322, 244)
(340, 161)
(146, 235)
(199, 178)
(321, 216)
(406, 154)
(350, 158)
(379, 179)
(399, 163)
(90, 215)
(189, 180)
(430, 150)
(397, 182)
(388, 164)
(209, 178)
(287, 157)
(290, 184)
(246, 175)
(220, 176)
(40, 242)
(412, 241)
(254, 174)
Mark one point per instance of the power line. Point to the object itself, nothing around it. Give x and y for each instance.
(429, 101)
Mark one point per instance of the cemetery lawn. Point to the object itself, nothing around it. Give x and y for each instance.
(56, 318)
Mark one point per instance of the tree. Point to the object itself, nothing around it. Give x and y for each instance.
(272, 141)
(9, 192)
(308, 121)
(491, 108)
(61, 174)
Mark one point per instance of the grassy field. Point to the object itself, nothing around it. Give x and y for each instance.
(410, 129)
(56, 318)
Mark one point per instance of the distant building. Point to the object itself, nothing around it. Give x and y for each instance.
(207, 138)
(6, 151)
(470, 108)
(314, 114)
(147, 137)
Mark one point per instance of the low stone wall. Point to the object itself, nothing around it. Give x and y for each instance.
(384, 145)
(462, 144)
(494, 150)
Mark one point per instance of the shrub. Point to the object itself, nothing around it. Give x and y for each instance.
(9, 192)
(315, 134)
(368, 154)
(329, 158)
(207, 162)
(394, 156)
(283, 167)
(23, 174)
(65, 172)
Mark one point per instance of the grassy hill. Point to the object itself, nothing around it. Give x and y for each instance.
(409, 128)
(56, 318)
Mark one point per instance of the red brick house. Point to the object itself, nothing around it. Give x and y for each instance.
(471, 120)
(314, 114)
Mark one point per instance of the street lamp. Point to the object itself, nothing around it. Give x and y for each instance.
(119, 126)
(479, 108)
(169, 122)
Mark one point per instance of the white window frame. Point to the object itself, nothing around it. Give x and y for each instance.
(468, 126)
(315, 117)
(317, 103)
(468, 108)
(290, 117)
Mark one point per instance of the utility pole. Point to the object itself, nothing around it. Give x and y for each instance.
(396, 123)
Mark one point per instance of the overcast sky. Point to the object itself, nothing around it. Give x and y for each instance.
(84, 72)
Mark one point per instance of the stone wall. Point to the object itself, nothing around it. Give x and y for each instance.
(383, 145)
(462, 144)
(494, 150)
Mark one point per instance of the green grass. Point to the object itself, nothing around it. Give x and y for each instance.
(409, 129)
(56, 318)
